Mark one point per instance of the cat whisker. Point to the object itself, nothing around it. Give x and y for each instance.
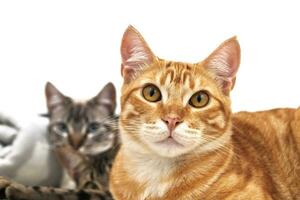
(222, 147)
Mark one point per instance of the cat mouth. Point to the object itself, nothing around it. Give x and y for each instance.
(170, 141)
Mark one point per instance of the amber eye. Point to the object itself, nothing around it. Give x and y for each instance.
(199, 99)
(151, 93)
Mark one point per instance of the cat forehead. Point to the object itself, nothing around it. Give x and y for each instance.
(80, 111)
(179, 74)
(176, 73)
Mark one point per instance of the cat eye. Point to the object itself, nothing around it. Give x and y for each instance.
(199, 99)
(62, 127)
(93, 127)
(151, 93)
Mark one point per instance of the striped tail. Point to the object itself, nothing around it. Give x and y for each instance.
(14, 191)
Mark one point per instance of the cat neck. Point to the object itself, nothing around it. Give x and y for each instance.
(162, 176)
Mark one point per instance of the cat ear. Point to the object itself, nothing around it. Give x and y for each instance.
(224, 63)
(107, 97)
(135, 53)
(54, 97)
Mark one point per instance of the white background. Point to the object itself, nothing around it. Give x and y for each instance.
(75, 45)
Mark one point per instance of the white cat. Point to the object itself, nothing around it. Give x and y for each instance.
(25, 154)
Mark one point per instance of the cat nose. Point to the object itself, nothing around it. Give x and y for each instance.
(172, 122)
(76, 140)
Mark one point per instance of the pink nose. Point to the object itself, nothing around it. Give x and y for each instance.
(172, 122)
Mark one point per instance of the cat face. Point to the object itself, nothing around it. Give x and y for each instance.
(173, 108)
(89, 127)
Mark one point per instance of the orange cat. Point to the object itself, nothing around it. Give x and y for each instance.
(181, 140)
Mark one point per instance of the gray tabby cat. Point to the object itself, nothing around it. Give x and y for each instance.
(85, 138)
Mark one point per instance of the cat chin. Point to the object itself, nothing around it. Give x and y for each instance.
(172, 148)
(169, 148)
(96, 150)
(145, 147)
(161, 146)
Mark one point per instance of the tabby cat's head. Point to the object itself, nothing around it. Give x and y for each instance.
(173, 108)
(89, 127)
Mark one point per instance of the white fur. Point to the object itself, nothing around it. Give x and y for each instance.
(155, 185)
(151, 170)
(156, 137)
(138, 54)
(66, 181)
(7, 134)
(30, 160)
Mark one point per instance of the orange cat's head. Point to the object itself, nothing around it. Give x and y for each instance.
(173, 108)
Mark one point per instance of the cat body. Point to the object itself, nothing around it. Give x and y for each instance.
(181, 141)
(252, 166)
(27, 156)
(8, 132)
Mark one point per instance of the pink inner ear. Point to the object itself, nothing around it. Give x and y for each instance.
(133, 48)
(135, 53)
(224, 63)
(127, 49)
(226, 71)
(233, 60)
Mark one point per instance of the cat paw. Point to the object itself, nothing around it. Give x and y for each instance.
(15, 191)
(4, 184)
(11, 190)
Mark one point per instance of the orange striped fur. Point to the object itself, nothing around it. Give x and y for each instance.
(214, 154)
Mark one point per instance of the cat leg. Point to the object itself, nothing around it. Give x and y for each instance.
(80, 169)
